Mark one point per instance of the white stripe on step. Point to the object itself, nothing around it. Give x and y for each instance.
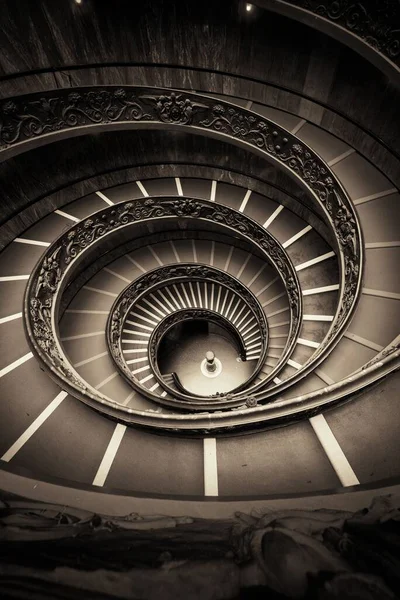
(245, 201)
(10, 318)
(142, 188)
(104, 197)
(116, 275)
(314, 261)
(213, 190)
(28, 433)
(299, 125)
(31, 242)
(178, 186)
(89, 360)
(376, 196)
(210, 466)
(67, 216)
(14, 277)
(109, 455)
(273, 216)
(104, 292)
(321, 290)
(341, 157)
(333, 451)
(82, 336)
(15, 364)
(296, 237)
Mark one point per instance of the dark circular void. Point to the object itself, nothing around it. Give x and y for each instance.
(184, 347)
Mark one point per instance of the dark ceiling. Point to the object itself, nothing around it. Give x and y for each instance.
(46, 37)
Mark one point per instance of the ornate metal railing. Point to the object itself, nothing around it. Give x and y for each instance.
(40, 300)
(56, 267)
(375, 23)
(159, 279)
(33, 120)
(36, 119)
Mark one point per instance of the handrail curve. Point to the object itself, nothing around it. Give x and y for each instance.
(162, 277)
(40, 118)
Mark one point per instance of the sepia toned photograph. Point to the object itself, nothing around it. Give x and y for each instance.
(199, 300)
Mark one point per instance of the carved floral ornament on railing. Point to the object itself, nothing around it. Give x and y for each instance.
(165, 277)
(26, 119)
(376, 23)
(40, 318)
(52, 272)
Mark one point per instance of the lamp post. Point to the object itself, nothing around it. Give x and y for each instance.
(211, 365)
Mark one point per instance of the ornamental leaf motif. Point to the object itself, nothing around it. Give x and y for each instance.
(376, 23)
(20, 121)
(174, 108)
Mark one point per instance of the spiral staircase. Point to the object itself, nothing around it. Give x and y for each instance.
(242, 209)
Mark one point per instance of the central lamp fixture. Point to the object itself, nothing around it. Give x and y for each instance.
(211, 365)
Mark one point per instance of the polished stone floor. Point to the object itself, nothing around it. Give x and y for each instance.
(184, 348)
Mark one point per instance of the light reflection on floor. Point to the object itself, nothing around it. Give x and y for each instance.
(184, 347)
